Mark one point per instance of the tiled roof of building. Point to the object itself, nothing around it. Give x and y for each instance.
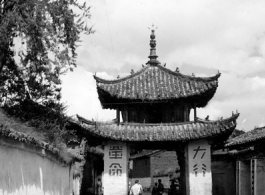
(248, 137)
(154, 83)
(9, 128)
(135, 132)
(7, 132)
(242, 151)
(144, 153)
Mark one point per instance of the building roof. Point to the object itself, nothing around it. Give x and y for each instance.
(242, 151)
(9, 133)
(12, 129)
(156, 83)
(144, 153)
(138, 132)
(248, 137)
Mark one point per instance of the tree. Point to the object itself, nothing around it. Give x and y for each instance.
(47, 33)
(38, 40)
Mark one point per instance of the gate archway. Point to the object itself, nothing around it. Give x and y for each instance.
(154, 104)
(192, 142)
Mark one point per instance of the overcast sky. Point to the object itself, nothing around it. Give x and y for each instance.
(199, 37)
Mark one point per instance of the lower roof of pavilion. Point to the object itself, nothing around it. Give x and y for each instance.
(161, 132)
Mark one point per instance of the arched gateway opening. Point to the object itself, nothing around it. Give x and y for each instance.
(153, 107)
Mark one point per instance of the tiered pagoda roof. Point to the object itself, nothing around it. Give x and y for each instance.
(154, 82)
(139, 132)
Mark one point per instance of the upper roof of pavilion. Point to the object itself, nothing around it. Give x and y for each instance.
(154, 82)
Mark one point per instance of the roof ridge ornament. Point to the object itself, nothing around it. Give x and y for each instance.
(153, 57)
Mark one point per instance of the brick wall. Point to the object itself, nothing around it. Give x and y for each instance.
(162, 163)
(159, 163)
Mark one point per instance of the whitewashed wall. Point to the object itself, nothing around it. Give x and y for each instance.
(23, 171)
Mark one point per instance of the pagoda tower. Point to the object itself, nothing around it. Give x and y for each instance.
(156, 94)
(155, 105)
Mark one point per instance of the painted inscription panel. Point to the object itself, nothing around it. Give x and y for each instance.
(200, 176)
(115, 168)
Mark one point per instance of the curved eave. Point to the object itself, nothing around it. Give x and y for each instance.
(177, 74)
(156, 83)
(110, 101)
(138, 132)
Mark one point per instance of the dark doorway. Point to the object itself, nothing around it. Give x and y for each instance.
(219, 184)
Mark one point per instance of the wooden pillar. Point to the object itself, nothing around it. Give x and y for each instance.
(115, 176)
(182, 152)
(195, 112)
(237, 177)
(253, 176)
(118, 115)
(186, 112)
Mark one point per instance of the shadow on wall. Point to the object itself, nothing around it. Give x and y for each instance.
(23, 172)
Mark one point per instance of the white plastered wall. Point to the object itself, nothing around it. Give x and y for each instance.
(25, 172)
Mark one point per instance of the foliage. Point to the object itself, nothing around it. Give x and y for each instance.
(38, 41)
(45, 33)
(49, 119)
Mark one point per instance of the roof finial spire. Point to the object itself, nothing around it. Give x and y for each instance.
(153, 57)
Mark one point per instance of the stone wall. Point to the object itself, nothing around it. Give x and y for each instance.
(31, 171)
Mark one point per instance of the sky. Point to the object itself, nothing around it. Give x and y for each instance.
(200, 37)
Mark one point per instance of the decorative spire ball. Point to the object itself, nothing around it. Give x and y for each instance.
(153, 57)
(153, 41)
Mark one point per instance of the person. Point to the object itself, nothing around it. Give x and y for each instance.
(160, 187)
(99, 187)
(136, 189)
(155, 190)
(173, 187)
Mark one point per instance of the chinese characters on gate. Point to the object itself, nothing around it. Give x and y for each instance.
(115, 168)
(199, 154)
